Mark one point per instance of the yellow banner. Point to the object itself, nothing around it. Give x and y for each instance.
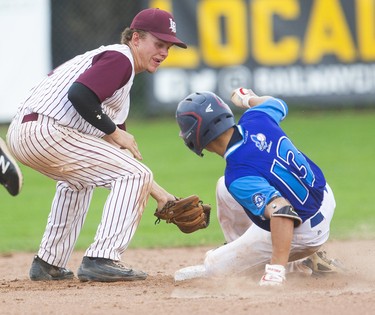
(299, 49)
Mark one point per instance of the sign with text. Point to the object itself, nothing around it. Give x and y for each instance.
(319, 52)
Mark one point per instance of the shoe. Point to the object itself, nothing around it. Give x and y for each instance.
(298, 266)
(320, 264)
(191, 272)
(41, 270)
(10, 174)
(107, 270)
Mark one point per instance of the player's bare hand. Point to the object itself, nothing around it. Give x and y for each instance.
(124, 140)
(246, 98)
(241, 97)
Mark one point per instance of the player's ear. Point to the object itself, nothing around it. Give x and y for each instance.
(135, 38)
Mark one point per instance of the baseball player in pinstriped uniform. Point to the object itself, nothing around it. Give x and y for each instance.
(70, 128)
(274, 204)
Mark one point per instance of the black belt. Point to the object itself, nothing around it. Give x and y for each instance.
(30, 117)
(316, 219)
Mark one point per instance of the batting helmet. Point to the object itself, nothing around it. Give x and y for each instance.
(203, 117)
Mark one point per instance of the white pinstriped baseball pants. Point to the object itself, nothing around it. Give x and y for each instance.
(79, 163)
(249, 246)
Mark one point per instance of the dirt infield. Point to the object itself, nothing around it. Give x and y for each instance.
(349, 293)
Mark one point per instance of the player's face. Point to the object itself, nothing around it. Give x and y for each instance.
(153, 52)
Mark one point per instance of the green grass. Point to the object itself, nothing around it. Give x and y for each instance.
(340, 142)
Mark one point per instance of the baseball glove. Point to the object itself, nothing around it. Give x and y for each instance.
(189, 214)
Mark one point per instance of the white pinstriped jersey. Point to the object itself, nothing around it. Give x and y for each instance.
(50, 96)
(62, 145)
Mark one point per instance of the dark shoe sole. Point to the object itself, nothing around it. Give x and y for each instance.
(91, 272)
(49, 277)
(87, 275)
(39, 273)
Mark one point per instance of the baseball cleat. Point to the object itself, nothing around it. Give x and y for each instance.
(191, 272)
(320, 264)
(299, 267)
(107, 270)
(42, 271)
(10, 174)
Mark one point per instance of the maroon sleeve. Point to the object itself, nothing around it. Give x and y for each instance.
(110, 71)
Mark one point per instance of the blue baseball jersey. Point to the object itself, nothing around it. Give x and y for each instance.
(265, 163)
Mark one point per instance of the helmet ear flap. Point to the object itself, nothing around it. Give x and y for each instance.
(188, 126)
(187, 123)
(190, 145)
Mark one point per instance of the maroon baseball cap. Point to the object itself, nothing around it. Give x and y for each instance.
(159, 23)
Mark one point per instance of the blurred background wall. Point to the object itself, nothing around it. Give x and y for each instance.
(25, 52)
(312, 53)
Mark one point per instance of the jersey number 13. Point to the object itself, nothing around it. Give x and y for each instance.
(299, 175)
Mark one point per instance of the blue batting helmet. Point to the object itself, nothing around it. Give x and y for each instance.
(203, 117)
